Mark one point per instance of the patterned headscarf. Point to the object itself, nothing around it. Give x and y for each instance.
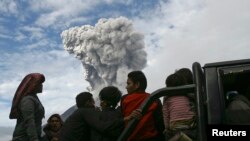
(26, 87)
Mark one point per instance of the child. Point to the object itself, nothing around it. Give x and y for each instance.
(178, 114)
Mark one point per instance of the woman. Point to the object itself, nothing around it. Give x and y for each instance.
(52, 128)
(27, 108)
(151, 125)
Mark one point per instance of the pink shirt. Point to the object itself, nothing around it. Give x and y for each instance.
(177, 112)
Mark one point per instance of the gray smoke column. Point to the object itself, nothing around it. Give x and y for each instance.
(108, 51)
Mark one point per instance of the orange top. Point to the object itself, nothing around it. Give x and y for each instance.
(145, 129)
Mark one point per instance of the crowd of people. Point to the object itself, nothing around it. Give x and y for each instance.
(107, 123)
(173, 119)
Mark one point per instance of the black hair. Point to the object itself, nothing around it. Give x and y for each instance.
(138, 77)
(110, 94)
(82, 98)
(57, 116)
(187, 74)
(48, 125)
(175, 80)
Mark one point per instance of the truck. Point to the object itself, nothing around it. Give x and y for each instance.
(212, 82)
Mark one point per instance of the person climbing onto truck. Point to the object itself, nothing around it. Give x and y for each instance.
(179, 118)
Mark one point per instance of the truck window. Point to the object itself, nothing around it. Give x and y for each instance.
(235, 87)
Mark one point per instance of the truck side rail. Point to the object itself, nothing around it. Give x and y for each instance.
(200, 102)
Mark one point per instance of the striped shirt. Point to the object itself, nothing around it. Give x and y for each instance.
(177, 112)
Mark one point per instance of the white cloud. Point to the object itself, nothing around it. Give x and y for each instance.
(6, 122)
(20, 36)
(6, 133)
(183, 32)
(5, 36)
(59, 4)
(57, 12)
(39, 44)
(126, 2)
(60, 10)
(33, 32)
(8, 7)
(30, 33)
(74, 21)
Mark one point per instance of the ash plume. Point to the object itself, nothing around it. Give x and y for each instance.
(108, 51)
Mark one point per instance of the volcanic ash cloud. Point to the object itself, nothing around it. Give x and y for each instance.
(108, 51)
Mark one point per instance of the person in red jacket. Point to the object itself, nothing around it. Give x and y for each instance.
(151, 125)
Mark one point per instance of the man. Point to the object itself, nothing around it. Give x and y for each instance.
(78, 126)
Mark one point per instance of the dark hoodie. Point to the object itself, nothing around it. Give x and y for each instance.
(49, 134)
(77, 126)
(108, 115)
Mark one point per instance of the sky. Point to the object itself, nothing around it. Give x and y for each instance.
(176, 34)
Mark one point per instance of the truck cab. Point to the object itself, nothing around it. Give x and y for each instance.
(220, 79)
(212, 85)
